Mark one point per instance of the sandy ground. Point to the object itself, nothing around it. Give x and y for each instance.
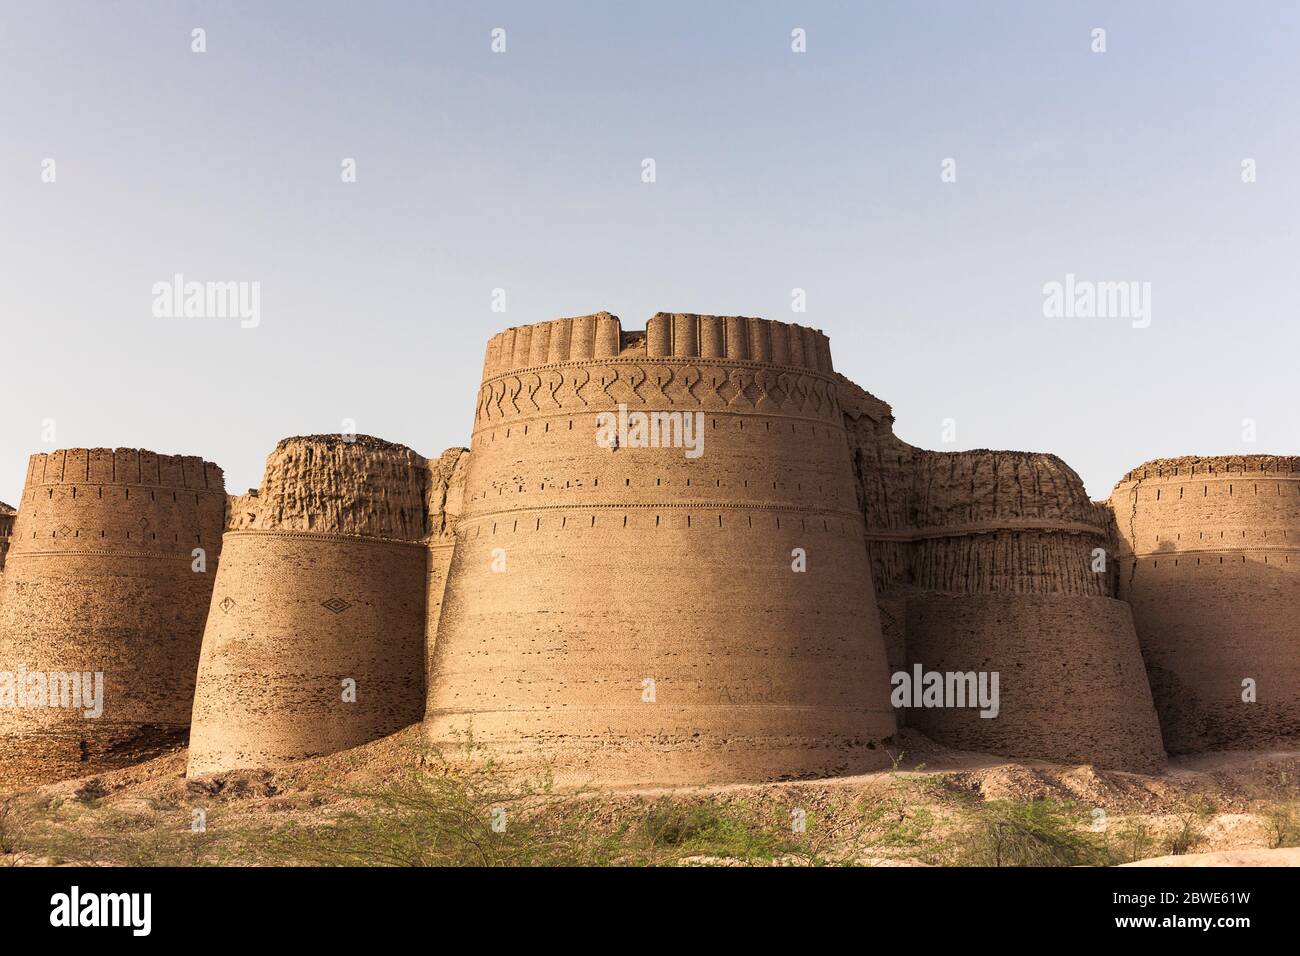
(1238, 788)
(1284, 856)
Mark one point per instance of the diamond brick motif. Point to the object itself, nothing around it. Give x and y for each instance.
(335, 605)
(226, 604)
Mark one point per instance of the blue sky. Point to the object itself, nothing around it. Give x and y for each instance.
(522, 171)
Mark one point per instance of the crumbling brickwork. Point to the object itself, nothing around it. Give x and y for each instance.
(315, 640)
(990, 561)
(7, 516)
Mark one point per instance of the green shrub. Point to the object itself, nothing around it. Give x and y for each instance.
(1041, 833)
(1282, 825)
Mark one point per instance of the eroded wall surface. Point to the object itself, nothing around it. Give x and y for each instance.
(7, 516)
(103, 577)
(1210, 561)
(446, 495)
(996, 561)
(630, 614)
(315, 638)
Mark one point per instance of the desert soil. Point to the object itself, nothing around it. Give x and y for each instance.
(1231, 791)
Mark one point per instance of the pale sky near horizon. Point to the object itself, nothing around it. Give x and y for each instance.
(522, 170)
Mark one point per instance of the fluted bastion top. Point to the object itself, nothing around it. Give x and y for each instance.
(666, 336)
(1200, 465)
(123, 466)
(985, 485)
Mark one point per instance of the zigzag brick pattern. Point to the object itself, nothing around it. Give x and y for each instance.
(630, 614)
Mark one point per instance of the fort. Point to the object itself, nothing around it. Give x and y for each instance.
(615, 612)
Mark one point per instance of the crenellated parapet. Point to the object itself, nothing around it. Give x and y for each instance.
(1232, 505)
(1187, 467)
(681, 362)
(737, 338)
(666, 336)
(122, 466)
(120, 500)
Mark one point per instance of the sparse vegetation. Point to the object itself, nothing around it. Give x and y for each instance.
(1131, 842)
(93, 789)
(10, 828)
(1039, 833)
(1189, 832)
(1282, 824)
(707, 830)
(446, 817)
(427, 811)
(475, 816)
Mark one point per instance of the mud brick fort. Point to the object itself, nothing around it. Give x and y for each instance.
(626, 612)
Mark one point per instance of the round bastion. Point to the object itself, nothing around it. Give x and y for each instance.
(315, 641)
(106, 585)
(1210, 562)
(998, 562)
(658, 567)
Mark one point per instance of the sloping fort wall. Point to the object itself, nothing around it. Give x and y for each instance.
(987, 561)
(630, 614)
(315, 640)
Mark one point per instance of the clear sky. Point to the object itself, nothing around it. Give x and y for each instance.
(522, 170)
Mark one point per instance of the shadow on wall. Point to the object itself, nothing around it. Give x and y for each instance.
(1214, 634)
